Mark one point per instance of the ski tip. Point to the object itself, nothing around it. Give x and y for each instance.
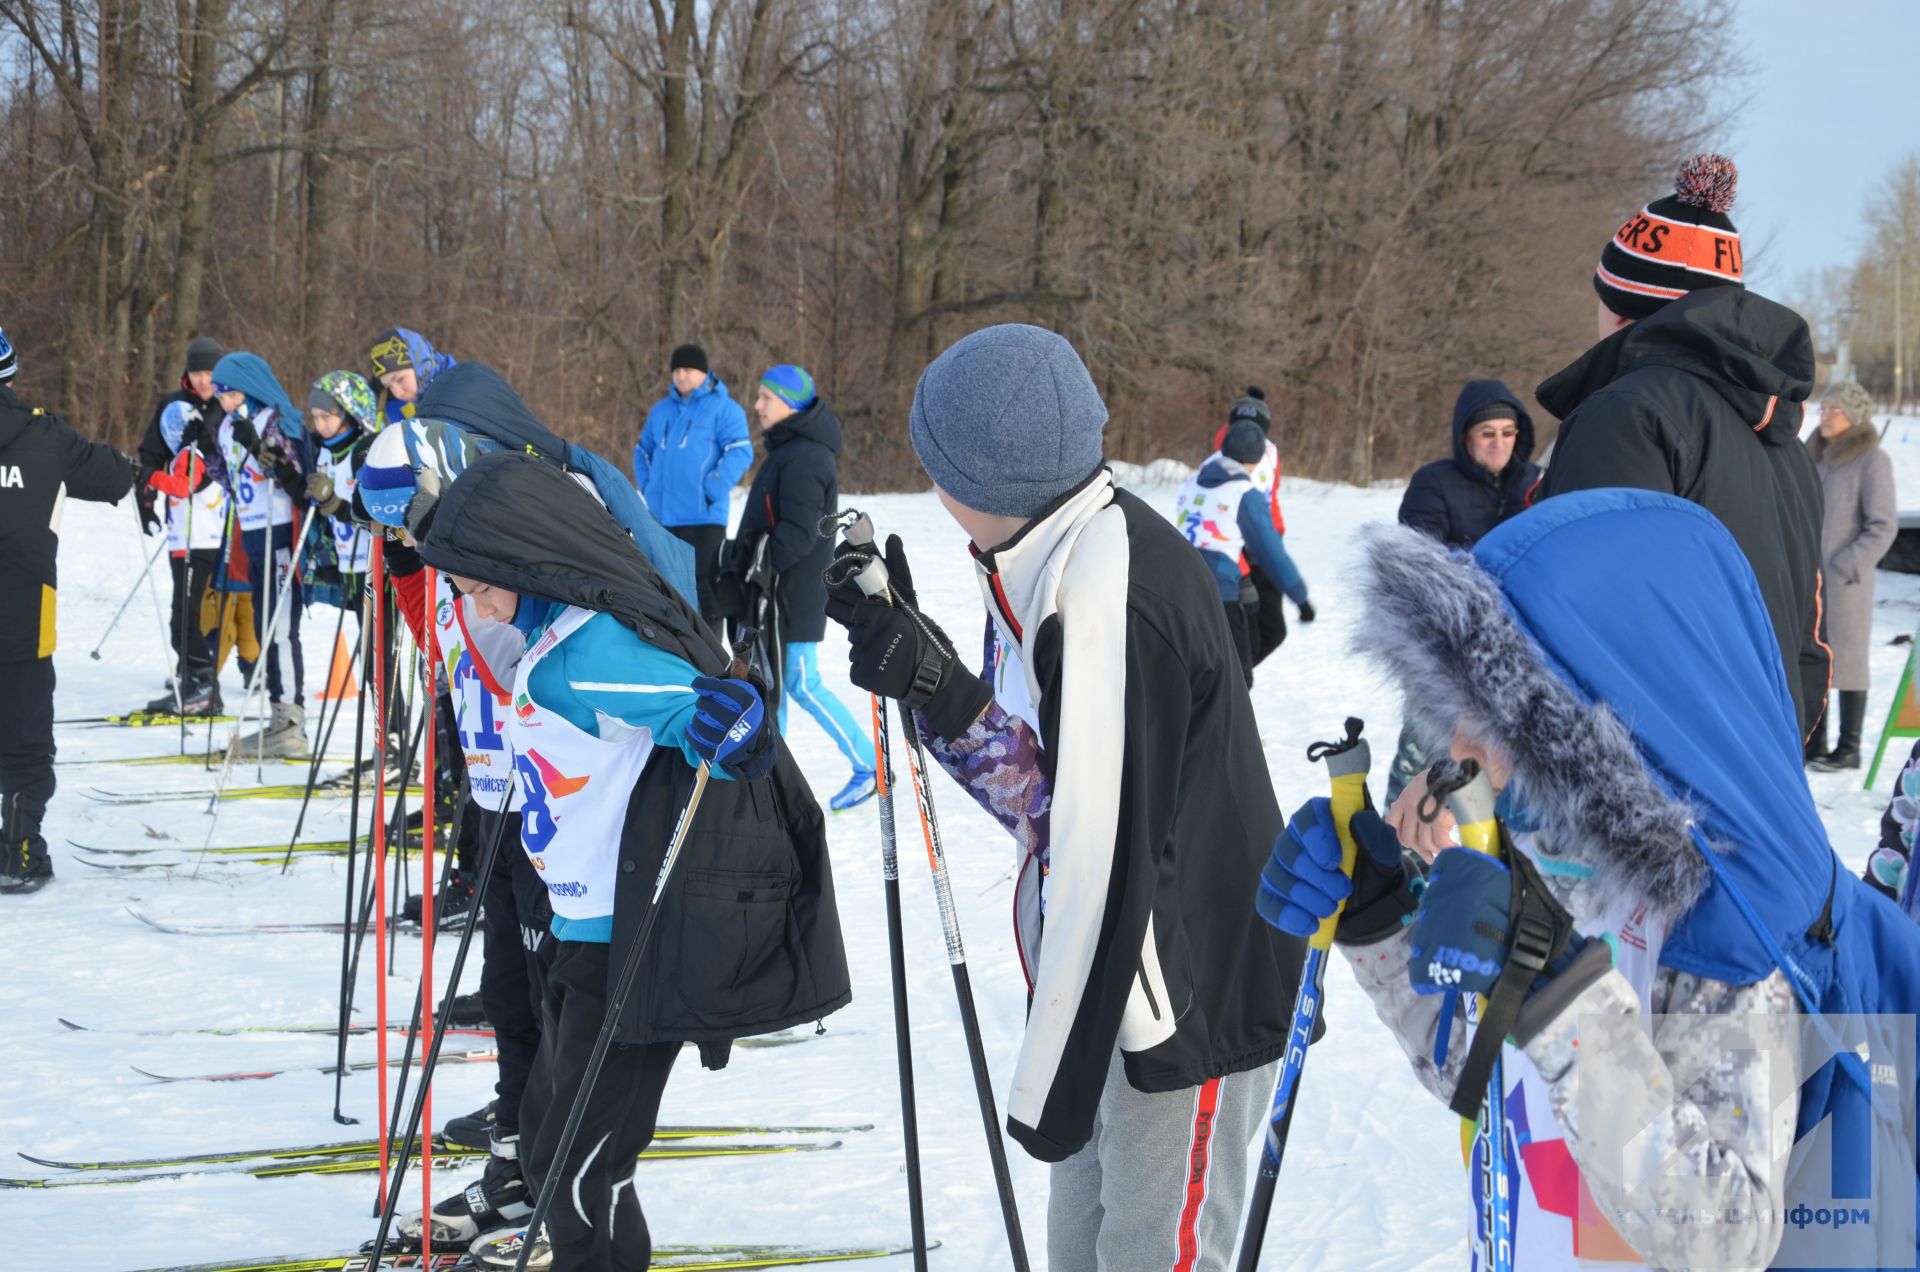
(69, 1024)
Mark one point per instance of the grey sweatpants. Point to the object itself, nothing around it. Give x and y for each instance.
(1162, 1183)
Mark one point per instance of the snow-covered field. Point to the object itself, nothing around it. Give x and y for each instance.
(1373, 1177)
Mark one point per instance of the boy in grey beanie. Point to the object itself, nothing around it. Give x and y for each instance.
(1113, 721)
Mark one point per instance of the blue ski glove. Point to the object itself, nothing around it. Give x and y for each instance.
(1464, 932)
(1302, 882)
(729, 728)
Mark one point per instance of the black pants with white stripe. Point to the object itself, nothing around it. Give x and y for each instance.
(513, 968)
(596, 1224)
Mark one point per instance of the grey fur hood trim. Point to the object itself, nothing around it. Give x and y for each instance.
(1438, 625)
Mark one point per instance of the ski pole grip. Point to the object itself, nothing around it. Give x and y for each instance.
(1347, 764)
(1470, 798)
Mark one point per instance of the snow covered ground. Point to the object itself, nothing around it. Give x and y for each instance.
(1373, 1177)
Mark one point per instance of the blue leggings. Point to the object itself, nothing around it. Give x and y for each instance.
(802, 685)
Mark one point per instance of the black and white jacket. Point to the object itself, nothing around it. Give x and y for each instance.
(1113, 648)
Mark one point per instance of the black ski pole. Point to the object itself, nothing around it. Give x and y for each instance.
(362, 650)
(871, 578)
(326, 740)
(616, 1003)
(137, 585)
(416, 1114)
(897, 960)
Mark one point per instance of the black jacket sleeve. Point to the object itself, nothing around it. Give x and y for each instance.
(95, 471)
(1424, 507)
(799, 505)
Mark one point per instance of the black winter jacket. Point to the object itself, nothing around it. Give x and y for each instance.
(42, 461)
(797, 485)
(1162, 816)
(1703, 400)
(749, 940)
(1455, 500)
(154, 454)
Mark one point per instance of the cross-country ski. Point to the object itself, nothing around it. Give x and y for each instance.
(1053, 638)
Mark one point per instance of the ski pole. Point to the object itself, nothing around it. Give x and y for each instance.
(1469, 796)
(429, 780)
(377, 864)
(1347, 764)
(364, 651)
(418, 1114)
(897, 960)
(135, 591)
(180, 623)
(871, 578)
(616, 1003)
(258, 683)
(326, 737)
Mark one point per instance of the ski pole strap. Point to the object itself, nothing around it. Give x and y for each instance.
(1347, 763)
(1527, 957)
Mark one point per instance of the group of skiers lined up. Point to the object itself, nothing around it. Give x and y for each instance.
(1632, 662)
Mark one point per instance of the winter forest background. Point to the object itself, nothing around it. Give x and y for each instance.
(1349, 201)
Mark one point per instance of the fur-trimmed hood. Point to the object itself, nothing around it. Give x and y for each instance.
(1614, 645)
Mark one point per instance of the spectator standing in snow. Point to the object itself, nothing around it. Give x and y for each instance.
(171, 465)
(1487, 479)
(42, 461)
(1862, 516)
(1114, 726)
(1227, 516)
(795, 490)
(1267, 621)
(692, 450)
(1695, 389)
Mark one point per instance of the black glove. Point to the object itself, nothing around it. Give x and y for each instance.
(195, 432)
(900, 653)
(143, 496)
(1306, 611)
(245, 434)
(729, 596)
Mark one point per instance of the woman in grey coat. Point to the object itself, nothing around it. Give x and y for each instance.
(1861, 519)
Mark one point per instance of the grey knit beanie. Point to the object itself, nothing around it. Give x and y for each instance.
(1007, 420)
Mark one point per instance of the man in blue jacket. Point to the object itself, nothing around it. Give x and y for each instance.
(693, 449)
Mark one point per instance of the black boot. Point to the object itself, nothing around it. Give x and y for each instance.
(201, 695)
(1853, 715)
(1816, 747)
(24, 864)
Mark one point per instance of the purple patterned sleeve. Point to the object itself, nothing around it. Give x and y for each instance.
(997, 762)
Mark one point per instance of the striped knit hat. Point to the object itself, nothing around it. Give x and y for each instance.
(9, 361)
(1674, 245)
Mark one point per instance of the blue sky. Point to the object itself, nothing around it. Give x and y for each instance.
(1832, 104)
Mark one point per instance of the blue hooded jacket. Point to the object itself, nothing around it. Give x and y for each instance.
(1614, 644)
(691, 453)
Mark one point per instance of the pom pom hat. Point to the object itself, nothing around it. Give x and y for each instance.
(1676, 244)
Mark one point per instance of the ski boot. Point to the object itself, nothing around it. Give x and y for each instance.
(858, 790)
(500, 1251)
(468, 1012)
(498, 1200)
(24, 863)
(284, 736)
(469, 1130)
(450, 906)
